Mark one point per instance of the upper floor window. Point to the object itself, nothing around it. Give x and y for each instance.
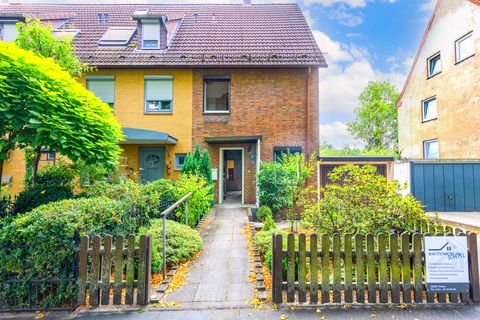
(8, 31)
(280, 152)
(430, 149)
(217, 95)
(429, 109)
(103, 87)
(464, 47)
(150, 34)
(434, 65)
(158, 94)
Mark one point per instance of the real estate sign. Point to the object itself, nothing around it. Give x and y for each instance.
(446, 260)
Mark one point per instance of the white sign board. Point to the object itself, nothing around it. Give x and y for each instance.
(214, 174)
(446, 260)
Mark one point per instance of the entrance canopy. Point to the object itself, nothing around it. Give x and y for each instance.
(142, 136)
(232, 139)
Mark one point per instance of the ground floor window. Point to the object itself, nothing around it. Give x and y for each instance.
(279, 152)
(180, 160)
(430, 149)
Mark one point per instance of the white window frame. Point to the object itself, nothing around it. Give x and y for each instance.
(426, 143)
(219, 79)
(103, 78)
(457, 47)
(158, 78)
(155, 23)
(425, 104)
(429, 62)
(175, 160)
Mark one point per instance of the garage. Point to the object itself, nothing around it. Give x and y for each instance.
(447, 186)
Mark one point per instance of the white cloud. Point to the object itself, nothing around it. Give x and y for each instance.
(428, 5)
(350, 69)
(346, 18)
(336, 134)
(328, 3)
(309, 17)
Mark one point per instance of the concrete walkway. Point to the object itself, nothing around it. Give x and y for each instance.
(467, 220)
(220, 275)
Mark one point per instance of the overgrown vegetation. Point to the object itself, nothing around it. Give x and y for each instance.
(360, 201)
(183, 243)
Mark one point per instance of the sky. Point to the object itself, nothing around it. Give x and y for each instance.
(364, 40)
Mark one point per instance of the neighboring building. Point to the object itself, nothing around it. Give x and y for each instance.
(241, 80)
(438, 109)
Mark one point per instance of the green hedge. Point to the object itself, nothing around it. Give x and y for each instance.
(39, 195)
(183, 243)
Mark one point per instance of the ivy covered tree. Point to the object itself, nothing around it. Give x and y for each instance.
(43, 106)
(198, 163)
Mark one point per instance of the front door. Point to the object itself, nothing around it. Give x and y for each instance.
(152, 164)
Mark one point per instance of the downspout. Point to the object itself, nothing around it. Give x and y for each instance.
(309, 105)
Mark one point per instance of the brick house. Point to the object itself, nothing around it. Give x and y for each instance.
(241, 80)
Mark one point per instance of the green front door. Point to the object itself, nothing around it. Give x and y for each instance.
(152, 164)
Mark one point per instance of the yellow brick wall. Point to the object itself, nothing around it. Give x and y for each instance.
(129, 110)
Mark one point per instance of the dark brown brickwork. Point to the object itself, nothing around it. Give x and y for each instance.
(271, 103)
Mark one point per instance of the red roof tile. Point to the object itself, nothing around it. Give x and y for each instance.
(267, 35)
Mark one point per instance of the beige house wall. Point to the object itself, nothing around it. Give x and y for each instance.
(457, 89)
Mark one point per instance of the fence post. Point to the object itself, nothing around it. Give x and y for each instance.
(277, 269)
(474, 270)
(148, 269)
(82, 270)
(186, 212)
(164, 245)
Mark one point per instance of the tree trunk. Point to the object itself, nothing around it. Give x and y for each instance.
(36, 160)
(1, 172)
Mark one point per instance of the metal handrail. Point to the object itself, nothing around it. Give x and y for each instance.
(164, 215)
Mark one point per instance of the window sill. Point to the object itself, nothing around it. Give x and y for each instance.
(216, 112)
(429, 120)
(158, 112)
(433, 75)
(464, 59)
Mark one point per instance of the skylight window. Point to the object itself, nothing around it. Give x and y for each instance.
(62, 34)
(117, 36)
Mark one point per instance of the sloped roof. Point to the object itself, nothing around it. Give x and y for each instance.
(256, 35)
(422, 43)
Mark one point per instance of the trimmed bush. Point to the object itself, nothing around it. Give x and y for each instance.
(199, 203)
(263, 212)
(39, 195)
(183, 243)
(272, 184)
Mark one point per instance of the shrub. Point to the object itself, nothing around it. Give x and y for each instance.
(198, 163)
(359, 200)
(272, 184)
(60, 174)
(263, 241)
(269, 224)
(38, 195)
(199, 203)
(263, 212)
(183, 243)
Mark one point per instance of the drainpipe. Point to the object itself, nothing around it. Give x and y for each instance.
(309, 103)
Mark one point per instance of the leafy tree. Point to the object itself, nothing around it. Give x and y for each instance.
(376, 118)
(327, 149)
(43, 106)
(37, 37)
(206, 167)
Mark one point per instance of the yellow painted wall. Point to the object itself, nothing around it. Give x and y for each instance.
(129, 110)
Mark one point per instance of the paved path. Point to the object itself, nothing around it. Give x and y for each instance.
(220, 275)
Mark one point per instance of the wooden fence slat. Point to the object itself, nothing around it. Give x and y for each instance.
(441, 297)
(382, 267)
(452, 297)
(360, 268)
(474, 268)
(142, 268)
(417, 267)
(394, 268)
(94, 272)
(277, 268)
(465, 296)
(302, 268)
(430, 296)
(313, 268)
(291, 268)
(106, 270)
(82, 271)
(371, 272)
(325, 268)
(348, 269)
(148, 264)
(406, 277)
(337, 271)
(118, 276)
(130, 269)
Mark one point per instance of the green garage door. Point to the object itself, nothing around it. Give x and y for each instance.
(443, 186)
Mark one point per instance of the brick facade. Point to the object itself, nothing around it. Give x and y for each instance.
(271, 103)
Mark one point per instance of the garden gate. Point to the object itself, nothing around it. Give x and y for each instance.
(360, 269)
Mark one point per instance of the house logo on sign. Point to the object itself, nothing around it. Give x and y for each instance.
(451, 251)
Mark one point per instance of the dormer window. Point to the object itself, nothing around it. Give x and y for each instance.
(8, 31)
(150, 33)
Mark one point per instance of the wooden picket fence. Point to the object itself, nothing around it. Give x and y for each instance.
(107, 274)
(360, 269)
